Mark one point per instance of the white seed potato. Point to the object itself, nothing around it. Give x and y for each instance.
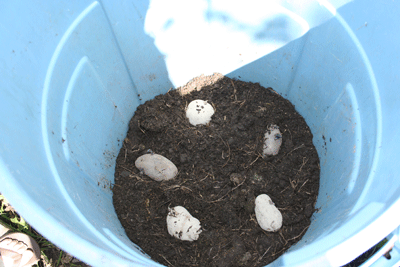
(182, 225)
(272, 141)
(268, 216)
(199, 112)
(157, 167)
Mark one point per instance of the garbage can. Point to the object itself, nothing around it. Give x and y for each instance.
(73, 72)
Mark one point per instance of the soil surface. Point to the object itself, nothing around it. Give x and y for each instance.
(221, 172)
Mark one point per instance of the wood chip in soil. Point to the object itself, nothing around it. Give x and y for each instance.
(221, 172)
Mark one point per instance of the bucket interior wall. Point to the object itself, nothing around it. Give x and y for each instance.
(74, 73)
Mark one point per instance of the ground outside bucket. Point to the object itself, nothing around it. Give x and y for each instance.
(73, 73)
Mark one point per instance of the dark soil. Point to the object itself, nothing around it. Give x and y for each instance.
(221, 171)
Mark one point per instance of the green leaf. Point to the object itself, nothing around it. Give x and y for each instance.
(22, 225)
(59, 258)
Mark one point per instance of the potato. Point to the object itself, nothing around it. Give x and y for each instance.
(199, 112)
(268, 216)
(182, 225)
(272, 141)
(157, 167)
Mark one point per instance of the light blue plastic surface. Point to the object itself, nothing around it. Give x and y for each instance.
(72, 74)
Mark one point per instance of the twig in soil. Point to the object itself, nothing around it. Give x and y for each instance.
(186, 188)
(272, 165)
(253, 219)
(234, 90)
(199, 132)
(215, 108)
(166, 260)
(126, 169)
(147, 203)
(241, 103)
(281, 234)
(126, 151)
(162, 204)
(262, 109)
(209, 253)
(299, 234)
(204, 178)
(140, 128)
(272, 90)
(208, 175)
(234, 87)
(259, 156)
(290, 239)
(179, 187)
(302, 165)
(227, 193)
(276, 253)
(136, 150)
(227, 244)
(293, 183)
(248, 230)
(285, 208)
(229, 150)
(302, 145)
(246, 152)
(259, 260)
(291, 137)
(302, 185)
(284, 189)
(136, 176)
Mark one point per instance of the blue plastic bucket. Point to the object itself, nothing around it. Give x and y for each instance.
(72, 74)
